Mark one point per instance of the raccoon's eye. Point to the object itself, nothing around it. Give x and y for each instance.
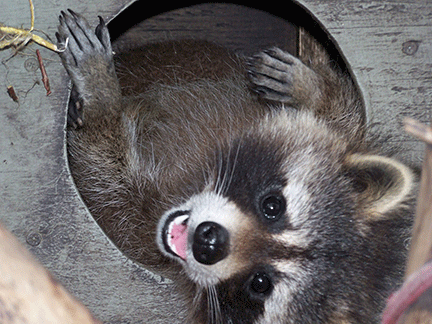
(273, 207)
(261, 283)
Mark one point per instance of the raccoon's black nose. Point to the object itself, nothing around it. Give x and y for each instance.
(210, 243)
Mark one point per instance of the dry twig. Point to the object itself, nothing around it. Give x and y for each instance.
(45, 79)
(11, 92)
(20, 37)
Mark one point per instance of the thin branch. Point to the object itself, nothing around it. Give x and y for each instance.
(20, 37)
(45, 79)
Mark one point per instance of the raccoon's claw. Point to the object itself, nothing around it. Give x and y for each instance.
(81, 48)
(103, 35)
(272, 73)
(82, 40)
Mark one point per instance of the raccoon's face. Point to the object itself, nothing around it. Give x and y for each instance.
(280, 229)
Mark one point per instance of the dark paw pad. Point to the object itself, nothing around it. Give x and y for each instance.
(81, 40)
(272, 74)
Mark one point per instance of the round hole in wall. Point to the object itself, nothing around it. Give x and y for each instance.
(241, 29)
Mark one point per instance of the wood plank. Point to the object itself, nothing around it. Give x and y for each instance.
(239, 28)
(393, 83)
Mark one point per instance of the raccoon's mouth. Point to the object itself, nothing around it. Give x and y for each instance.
(175, 234)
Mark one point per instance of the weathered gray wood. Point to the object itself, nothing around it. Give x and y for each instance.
(241, 29)
(39, 202)
(395, 79)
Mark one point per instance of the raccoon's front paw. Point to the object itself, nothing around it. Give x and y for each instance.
(278, 76)
(83, 47)
(88, 59)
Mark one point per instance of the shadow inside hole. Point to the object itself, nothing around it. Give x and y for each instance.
(243, 30)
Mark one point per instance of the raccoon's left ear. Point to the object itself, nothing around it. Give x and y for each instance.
(383, 183)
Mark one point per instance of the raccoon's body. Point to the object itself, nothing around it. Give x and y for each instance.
(266, 206)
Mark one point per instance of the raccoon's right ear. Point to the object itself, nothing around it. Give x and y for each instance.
(384, 184)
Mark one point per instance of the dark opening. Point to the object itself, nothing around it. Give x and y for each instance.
(245, 30)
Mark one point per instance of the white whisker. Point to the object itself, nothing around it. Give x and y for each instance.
(234, 165)
(214, 311)
(219, 162)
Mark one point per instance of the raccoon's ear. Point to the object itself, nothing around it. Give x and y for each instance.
(383, 183)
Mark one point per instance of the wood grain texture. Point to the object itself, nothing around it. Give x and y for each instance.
(241, 29)
(395, 83)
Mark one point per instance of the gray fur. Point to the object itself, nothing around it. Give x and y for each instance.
(182, 129)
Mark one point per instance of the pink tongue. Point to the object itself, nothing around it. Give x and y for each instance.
(179, 239)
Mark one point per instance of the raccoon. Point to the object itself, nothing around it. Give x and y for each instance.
(251, 183)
